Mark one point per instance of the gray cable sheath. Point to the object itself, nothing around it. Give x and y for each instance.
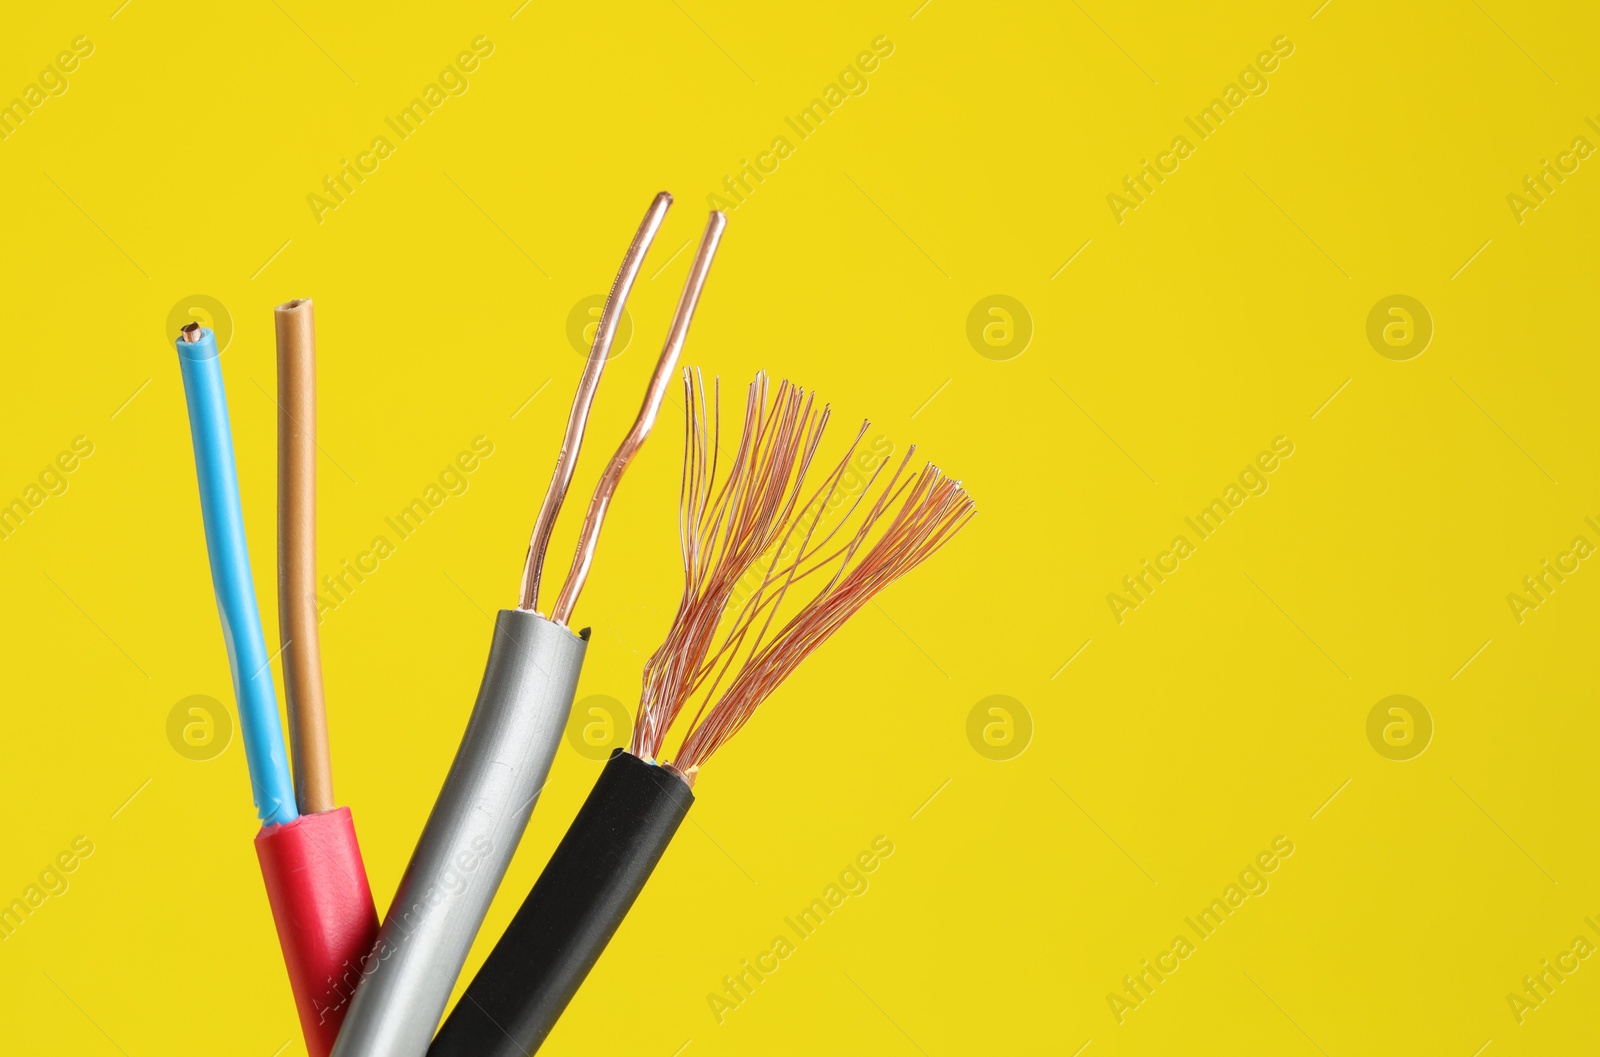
(527, 691)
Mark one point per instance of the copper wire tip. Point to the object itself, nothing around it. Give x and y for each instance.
(190, 332)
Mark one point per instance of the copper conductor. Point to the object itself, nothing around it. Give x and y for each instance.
(578, 418)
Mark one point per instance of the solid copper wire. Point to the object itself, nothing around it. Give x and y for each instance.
(297, 556)
(705, 642)
(665, 366)
(578, 418)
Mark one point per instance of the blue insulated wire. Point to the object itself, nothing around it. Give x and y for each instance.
(230, 576)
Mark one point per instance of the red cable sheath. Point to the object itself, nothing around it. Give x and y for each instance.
(322, 906)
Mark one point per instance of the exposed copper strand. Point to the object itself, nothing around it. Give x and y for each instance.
(666, 366)
(577, 419)
(749, 539)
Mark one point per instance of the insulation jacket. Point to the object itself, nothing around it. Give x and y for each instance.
(575, 907)
(323, 908)
(527, 690)
(230, 578)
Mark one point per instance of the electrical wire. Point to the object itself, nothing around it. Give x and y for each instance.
(567, 458)
(523, 702)
(666, 365)
(300, 644)
(315, 879)
(747, 542)
(218, 477)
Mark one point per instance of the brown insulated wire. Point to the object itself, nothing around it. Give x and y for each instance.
(297, 556)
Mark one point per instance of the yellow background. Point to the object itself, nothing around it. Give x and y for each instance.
(1225, 311)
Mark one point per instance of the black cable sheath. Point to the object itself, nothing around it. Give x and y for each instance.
(591, 881)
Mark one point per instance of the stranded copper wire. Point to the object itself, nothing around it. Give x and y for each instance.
(567, 458)
(666, 365)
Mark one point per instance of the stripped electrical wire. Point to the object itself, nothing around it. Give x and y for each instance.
(748, 541)
(218, 476)
(527, 691)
